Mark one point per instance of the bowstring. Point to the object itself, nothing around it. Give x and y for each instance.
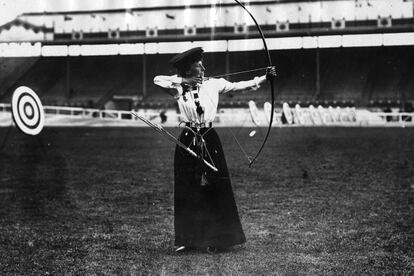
(256, 126)
(231, 132)
(244, 121)
(238, 143)
(237, 73)
(269, 59)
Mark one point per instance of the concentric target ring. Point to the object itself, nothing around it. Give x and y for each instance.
(26, 106)
(27, 110)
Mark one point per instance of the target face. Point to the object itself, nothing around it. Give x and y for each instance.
(254, 112)
(314, 114)
(27, 110)
(267, 107)
(325, 117)
(288, 113)
(299, 115)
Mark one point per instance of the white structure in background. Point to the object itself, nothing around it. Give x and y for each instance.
(337, 116)
(151, 18)
(224, 13)
(61, 116)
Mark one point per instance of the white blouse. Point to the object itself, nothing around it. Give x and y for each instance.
(208, 93)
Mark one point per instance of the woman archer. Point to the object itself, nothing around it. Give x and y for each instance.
(205, 211)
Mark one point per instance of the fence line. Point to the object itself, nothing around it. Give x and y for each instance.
(363, 116)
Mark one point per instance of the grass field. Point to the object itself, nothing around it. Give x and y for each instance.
(319, 201)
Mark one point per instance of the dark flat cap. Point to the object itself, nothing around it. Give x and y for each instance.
(187, 58)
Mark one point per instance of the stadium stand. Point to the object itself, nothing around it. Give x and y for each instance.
(11, 70)
(173, 21)
(343, 74)
(359, 75)
(393, 70)
(296, 75)
(74, 81)
(328, 75)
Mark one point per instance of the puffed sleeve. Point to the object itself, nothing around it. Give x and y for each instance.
(169, 82)
(226, 86)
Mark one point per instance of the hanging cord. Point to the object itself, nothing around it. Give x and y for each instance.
(202, 143)
(238, 142)
(172, 138)
(240, 146)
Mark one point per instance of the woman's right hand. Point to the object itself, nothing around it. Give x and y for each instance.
(192, 81)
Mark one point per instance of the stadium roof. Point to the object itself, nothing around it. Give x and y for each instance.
(24, 24)
(167, 5)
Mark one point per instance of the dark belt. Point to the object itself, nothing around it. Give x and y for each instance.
(199, 125)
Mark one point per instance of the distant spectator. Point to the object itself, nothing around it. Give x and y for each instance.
(387, 109)
(408, 107)
(163, 116)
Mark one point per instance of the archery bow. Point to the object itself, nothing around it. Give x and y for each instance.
(271, 81)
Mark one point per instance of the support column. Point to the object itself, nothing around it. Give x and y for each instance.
(144, 75)
(227, 63)
(318, 76)
(68, 84)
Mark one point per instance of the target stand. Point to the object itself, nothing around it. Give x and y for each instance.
(27, 113)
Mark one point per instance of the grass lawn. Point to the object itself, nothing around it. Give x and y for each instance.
(318, 201)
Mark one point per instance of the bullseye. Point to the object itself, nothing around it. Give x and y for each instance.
(27, 110)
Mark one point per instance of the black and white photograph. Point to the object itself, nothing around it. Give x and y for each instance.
(206, 137)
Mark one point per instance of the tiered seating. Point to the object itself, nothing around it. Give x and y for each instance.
(12, 70)
(296, 75)
(166, 15)
(349, 76)
(344, 73)
(391, 68)
(94, 78)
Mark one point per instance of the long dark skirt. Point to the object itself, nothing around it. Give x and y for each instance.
(205, 212)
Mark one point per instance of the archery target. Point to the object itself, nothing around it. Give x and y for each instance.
(331, 113)
(306, 116)
(338, 112)
(254, 112)
(325, 116)
(299, 115)
(353, 114)
(316, 118)
(335, 114)
(267, 107)
(287, 112)
(27, 111)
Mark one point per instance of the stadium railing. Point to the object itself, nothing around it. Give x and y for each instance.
(364, 117)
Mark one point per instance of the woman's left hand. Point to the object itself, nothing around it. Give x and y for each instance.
(270, 72)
